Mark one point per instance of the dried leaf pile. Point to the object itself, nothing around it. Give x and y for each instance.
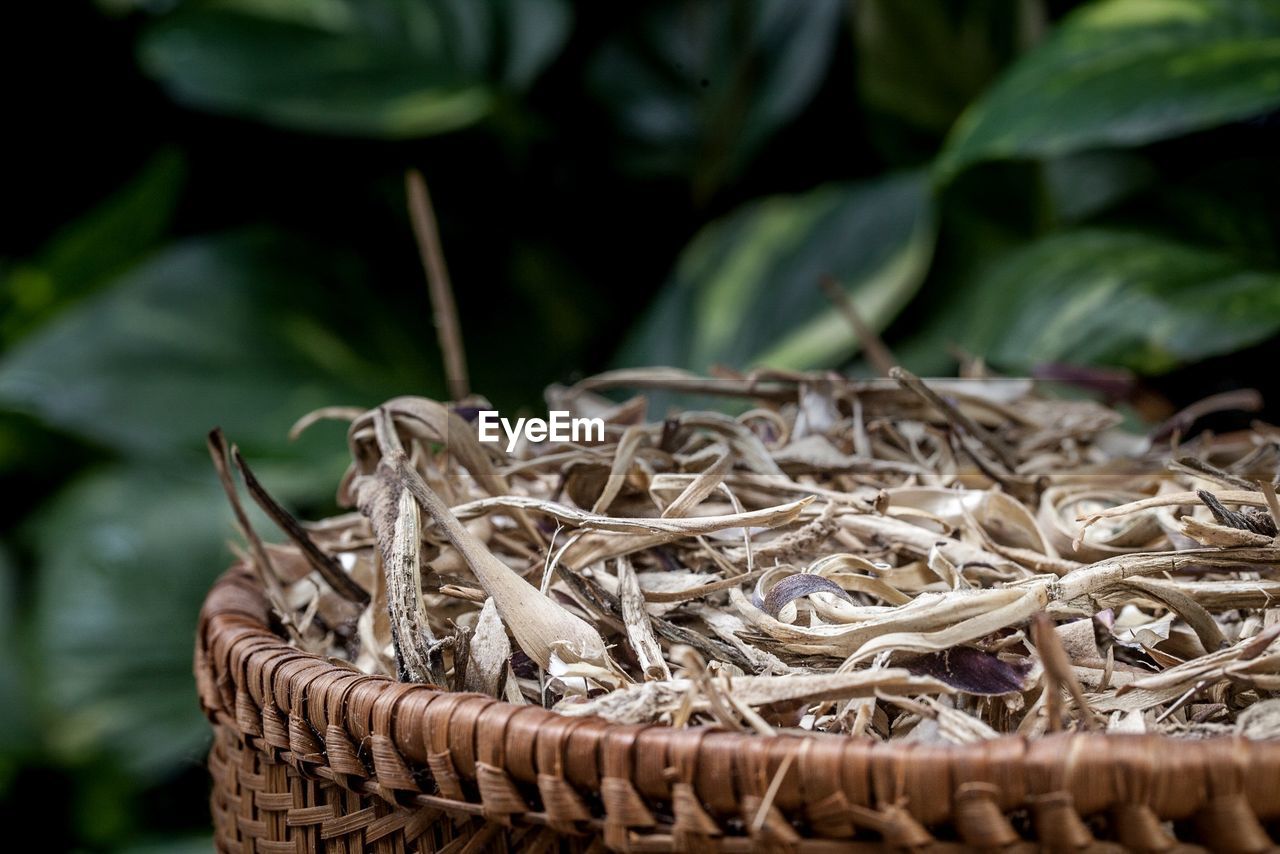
(941, 561)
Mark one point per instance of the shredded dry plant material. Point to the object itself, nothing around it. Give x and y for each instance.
(894, 559)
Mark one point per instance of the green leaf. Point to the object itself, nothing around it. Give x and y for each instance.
(746, 290)
(377, 69)
(247, 330)
(92, 249)
(1118, 298)
(1123, 73)
(697, 88)
(126, 555)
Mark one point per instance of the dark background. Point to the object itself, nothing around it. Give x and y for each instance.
(185, 245)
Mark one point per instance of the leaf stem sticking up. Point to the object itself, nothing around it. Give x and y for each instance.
(443, 308)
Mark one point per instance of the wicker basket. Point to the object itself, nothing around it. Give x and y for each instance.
(309, 755)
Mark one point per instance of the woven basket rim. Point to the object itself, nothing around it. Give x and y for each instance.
(464, 749)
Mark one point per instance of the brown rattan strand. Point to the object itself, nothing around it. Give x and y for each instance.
(311, 755)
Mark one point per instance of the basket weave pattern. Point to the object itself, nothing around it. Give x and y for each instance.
(309, 755)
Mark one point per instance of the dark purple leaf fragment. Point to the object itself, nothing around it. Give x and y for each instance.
(523, 666)
(795, 587)
(971, 670)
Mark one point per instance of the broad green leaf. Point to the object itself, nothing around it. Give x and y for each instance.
(696, 88)
(746, 291)
(379, 68)
(1119, 298)
(1123, 73)
(247, 331)
(92, 249)
(125, 556)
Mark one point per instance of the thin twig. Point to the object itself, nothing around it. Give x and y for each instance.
(443, 309)
(953, 414)
(872, 344)
(217, 444)
(1058, 670)
(1242, 399)
(322, 562)
(1199, 468)
(1248, 519)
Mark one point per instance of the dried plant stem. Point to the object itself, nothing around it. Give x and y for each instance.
(490, 649)
(329, 568)
(1199, 468)
(404, 595)
(1258, 523)
(669, 596)
(540, 626)
(261, 560)
(443, 308)
(647, 700)
(1200, 620)
(639, 629)
(664, 527)
(1059, 672)
(1244, 399)
(1107, 573)
(873, 345)
(953, 414)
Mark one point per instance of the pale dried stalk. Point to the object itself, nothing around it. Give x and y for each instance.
(877, 353)
(961, 632)
(1221, 536)
(649, 700)
(952, 412)
(1059, 673)
(622, 458)
(443, 309)
(542, 628)
(490, 650)
(919, 541)
(1104, 574)
(768, 517)
(639, 630)
(1211, 595)
(702, 485)
(1173, 499)
(1200, 621)
(261, 561)
(321, 561)
(403, 568)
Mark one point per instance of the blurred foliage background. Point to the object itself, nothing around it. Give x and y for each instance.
(207, 226)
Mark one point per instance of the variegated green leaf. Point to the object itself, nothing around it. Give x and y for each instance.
(746, 291)
(1117, 298)
(246, 330)
(1123, 73)
(357, 68)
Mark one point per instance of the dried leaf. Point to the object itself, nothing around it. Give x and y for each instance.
(972, 671)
